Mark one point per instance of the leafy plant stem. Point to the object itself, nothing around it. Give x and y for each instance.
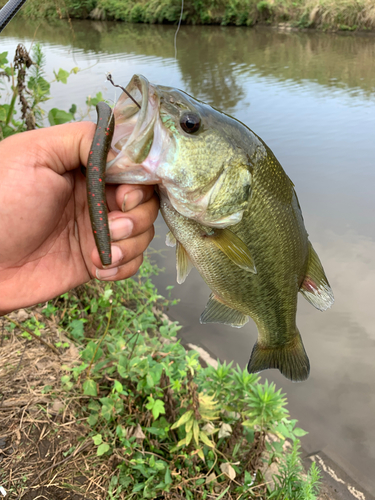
(30, 332)
(100, 341)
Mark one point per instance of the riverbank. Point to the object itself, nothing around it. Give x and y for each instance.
(327, 15)
(51, 428)
(99, 398)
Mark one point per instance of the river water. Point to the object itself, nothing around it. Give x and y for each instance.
(311, 97)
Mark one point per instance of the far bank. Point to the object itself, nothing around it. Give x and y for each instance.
(325, 15)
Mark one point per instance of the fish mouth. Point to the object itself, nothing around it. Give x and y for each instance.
(134, 133)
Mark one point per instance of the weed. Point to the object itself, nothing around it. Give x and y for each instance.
(323, 14)
(168, 423)
(25, 79)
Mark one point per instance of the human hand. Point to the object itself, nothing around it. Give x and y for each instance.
(46, 241)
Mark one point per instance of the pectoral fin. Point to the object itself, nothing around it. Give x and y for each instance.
(217, 312)
(170, 240)
(234, 248)
(315, 287)
(183, 263)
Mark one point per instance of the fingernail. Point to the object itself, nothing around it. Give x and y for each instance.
(116, 254)
(103, 274)
(131, 200)
(120, 228)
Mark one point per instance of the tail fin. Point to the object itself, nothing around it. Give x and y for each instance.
(291, 360)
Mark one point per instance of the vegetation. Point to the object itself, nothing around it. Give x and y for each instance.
(347, 15)
(167, 427)
(129, 401)
(24, 79)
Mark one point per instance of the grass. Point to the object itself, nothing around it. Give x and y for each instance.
(123, 411)
(345, 15)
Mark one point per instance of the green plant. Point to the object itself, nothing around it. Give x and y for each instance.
(289, 482)
(25, 79)
(171, 425)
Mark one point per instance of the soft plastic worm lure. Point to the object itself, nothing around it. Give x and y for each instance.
(95, 182)
(95, 179)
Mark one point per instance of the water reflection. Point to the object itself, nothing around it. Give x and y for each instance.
(211, 58)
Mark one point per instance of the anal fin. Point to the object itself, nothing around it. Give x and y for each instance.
(291, 359)
(217, 312)
(315, 287)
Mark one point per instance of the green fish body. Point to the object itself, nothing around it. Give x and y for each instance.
(233, 214)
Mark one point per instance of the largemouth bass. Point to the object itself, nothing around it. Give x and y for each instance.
(232, 212)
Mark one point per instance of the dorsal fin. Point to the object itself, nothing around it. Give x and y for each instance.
(183, 263)
(315, 287)
(217, 312)
(234, 248)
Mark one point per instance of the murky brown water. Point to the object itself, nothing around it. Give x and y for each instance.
(311, 97)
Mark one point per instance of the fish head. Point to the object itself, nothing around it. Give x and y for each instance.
(201, 159)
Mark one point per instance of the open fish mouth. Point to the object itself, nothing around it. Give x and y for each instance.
(134, 133)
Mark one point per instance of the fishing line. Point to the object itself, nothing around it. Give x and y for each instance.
(109, 78)
(178, 27)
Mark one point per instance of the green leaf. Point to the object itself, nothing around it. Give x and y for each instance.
(185, 417)
(73, 109)
(93, 418)
(62, 76)
(75, 70)
(196, 432)
(76, 327)
(65, 379)
(156, 372)
(182, 442)
(89, 388)
(189, 437)
(138, 487)
(3, 114)
(93, 101)
(168, 477)
(3, 58)
(97, 439)
(103, 448)
(299, 432)
(38, 85)
(58, 116)
(88, 353)
(117, 386)
(189, 425)
(149, 381)
(94, 405)
(158, 408)
(223, 493)
(203, 437)
(107, 411)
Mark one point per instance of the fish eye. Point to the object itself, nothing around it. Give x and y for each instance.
(190, 122)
